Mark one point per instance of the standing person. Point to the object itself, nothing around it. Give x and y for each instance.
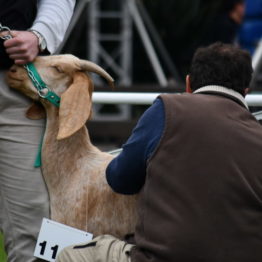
(195, 158)
(226, 23)
(23, 194)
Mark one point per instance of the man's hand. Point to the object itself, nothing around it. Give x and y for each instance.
(23, 47)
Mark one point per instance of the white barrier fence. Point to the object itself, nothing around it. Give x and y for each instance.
(147, 98)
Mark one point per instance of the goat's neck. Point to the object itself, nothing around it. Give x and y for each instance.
(58, 155)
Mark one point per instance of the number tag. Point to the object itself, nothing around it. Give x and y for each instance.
(53, 237)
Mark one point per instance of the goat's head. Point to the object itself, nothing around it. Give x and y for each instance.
(67, 76)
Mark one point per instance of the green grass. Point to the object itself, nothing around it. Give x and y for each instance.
(2, 252)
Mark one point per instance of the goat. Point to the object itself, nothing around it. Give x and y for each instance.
(73, 168)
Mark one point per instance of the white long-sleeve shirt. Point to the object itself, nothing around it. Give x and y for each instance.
(52, 21)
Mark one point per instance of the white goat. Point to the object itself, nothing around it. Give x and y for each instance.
(73, 168)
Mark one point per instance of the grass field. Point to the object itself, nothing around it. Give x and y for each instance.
(2, 253)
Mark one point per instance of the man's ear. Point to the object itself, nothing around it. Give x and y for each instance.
(188, 85)
(246, 91)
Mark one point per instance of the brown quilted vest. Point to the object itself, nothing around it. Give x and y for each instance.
(202, 200)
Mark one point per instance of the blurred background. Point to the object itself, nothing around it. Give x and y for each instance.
(147, 46)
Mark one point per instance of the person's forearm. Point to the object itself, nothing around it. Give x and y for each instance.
(126, 173)
(52, 21)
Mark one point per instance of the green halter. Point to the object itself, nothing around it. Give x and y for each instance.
(42, 88)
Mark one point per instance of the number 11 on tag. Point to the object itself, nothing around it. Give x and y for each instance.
(53, 237)
(43, 249)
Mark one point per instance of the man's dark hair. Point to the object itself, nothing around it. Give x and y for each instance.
(221, 64)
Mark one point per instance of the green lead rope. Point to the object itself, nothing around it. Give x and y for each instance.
(38, 160)
(45, 93)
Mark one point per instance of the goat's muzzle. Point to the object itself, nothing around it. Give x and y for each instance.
(15, 76)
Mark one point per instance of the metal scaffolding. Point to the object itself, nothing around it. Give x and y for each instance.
(127, 14)
(112, 48)
(119, 58)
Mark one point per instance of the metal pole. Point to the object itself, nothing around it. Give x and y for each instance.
(147, 43)
(126, 45)
(159, 43)
(93, 23)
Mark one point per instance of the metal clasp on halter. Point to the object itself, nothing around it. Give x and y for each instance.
(5, 28)
(43, 92)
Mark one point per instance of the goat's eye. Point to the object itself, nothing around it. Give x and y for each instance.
(58, 69)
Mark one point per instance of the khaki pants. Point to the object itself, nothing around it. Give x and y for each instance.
(103, 248)
(23, 194)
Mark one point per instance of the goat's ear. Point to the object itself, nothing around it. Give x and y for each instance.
(36, 111)
(75, 106)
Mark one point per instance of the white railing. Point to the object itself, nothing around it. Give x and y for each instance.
(254, 100)
(148, 98)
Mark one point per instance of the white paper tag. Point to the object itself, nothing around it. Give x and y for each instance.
(53, 237)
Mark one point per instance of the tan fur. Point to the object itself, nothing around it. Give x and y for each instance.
(73, 168)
